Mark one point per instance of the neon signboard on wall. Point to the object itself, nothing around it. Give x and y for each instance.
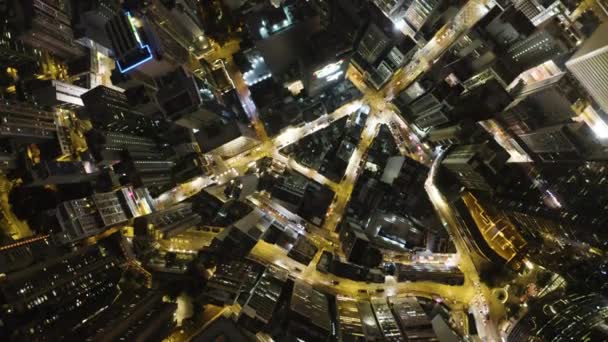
(329, 71)
(141, 45)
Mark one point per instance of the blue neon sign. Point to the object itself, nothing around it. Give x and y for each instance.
(141, 46)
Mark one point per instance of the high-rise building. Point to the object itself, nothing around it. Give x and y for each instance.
(419, 11)
(143, 46)
(412, 319)
(233, 280)
(45, 24)
(309, 317)
(152, 170)
(543, 45)
(386, 321)
(181, 22)
(477, 166)
(261, 305)
(168, 222)
(89, 18)
(428, 111)
(133, 316)
(20, 121)
(350, 322)
(370, 325)
(589, 65)
(557, 143)
(52, 297)
(109, 147)
(432, 272)
(555, 317)
(19, 254)
(109, 110)
(82, 218)
(181, 98)
(239, 238)
(539, 104)
(357, 246)
(373, 44)
(225, 138)
(53, 93)
(303, 250)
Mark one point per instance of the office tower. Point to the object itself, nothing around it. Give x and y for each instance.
(168, 222)
(413, 321)
(264, 300)
(349, 320)
(386, 321)
(541, 103)
(242, 187)
(109, 148)
(326, 65)
(109, 110)
(44, 24)
(457, 134)
(388, 7)
(180, 22)
(49, 172)
(559, 143)
(232, 281)
(152, 52)
(85, 217)
(481, 102)
(357, 246)
(225, 138)
(393, 232)
(303, 250)
(588, 65)
(135, 315)
(541, 11)
(443, 330)
(541, 46)
(147, 169)
(308, 316)
(20, 121)
(419, 11)
(370, 325)
(189, 167)
(19, 254)
(13, 52)
(428, 111)
(181, 98)
(477, 166)
(530, 8)
(53, 93)
(380, 75)
(555, 317)
(239, 238)
(373, 44)
(89, 18)
(439, 273)
(407, 175)
(52, 297)
(552, 241)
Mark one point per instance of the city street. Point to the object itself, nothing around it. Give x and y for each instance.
(381, 113)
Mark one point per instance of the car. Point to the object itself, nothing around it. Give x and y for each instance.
(379, 290)
(362, 291)
(335, 282)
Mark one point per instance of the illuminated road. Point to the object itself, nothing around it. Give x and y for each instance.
(345, 188)
(474, 294)
(423, 59)
(483, 298)
(268, 253)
